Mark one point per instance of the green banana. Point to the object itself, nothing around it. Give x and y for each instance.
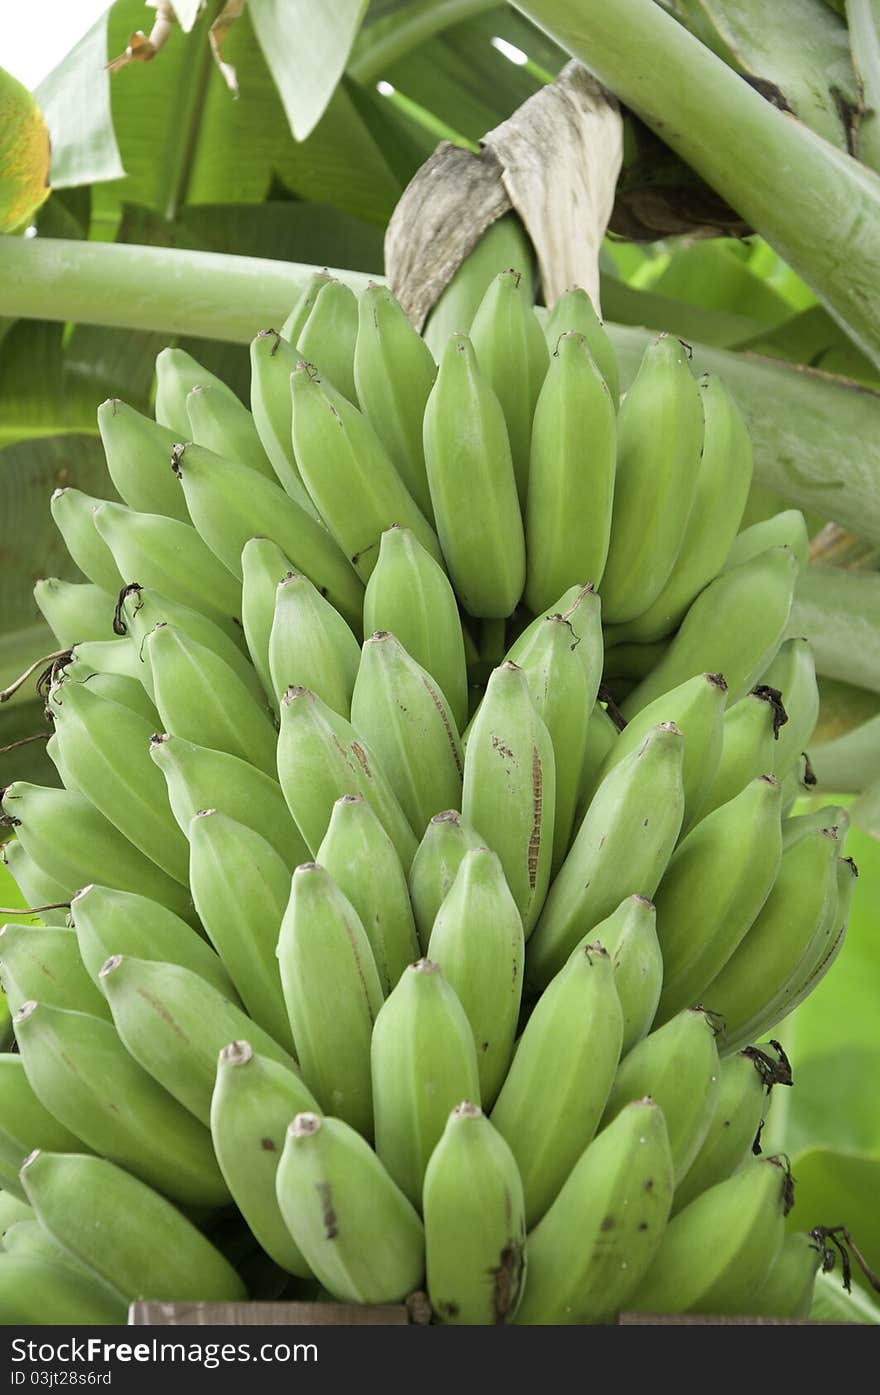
(138, 454)
(220, 423)
(435, 866)
(787, 1291)
(797, 783)
(74, 610)
(409, 594)
(604, 1230)
(509, 791)
(660, 437)
(71, 842)
(293, 325)
(394, 372)
(745, 1082)
(825, 948)
(311, 645)
(140, 610)
(116, 687)
(678, 1063)
(110, 922)
(174, 1023)
(602, 735)
(348, 472)
(328, 335)
(793, 672)
(333, 994)
(477, 939)
(573, 312)
(169, 556)
(629, 936)
(32, 1286)
(512, 355)
(473, 485)
(177, 373)
(503, 244)
(358, 1233)
(621, 849)
(263, 568)
(73, 514)
(25, 1124)
(403, 715)
(360, 858)
(240, 887)
(82, 1073)
(829, 816)
(475, 1227)
(713, 889)
(200, 778)
(254, 1100)
(734, 627)
(321, 758)
(127, 1233)
(106, 749)
(272, 362)
(715, 1254)
(12, 1210)
(230, 504)
(751, 731)
(561, 1074)
(571, 472)
(423, 1061)
(723, 477)
(37, 888)
(117, 656)
(786, 529)
(201, 698)
(44, 962)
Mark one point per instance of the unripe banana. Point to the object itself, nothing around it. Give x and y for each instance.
(435, 866)
(31, 1286)
(272, 362)
(604, 1229)
(825, 947)
(174, 1023)
(177, 373)
(473, 485)
(106, 749)
(602, 736)
(71, 842)
(138, 454)
(170, 557)
(713, 889)
(127, 1233)
(573, 312)
(328, 335)
(504, 243)
(202, 699)
(561, 1074)
(423, 1061)
(230, 504)
(571, 475)
(200, 778)
(723, 478)
(240, 887)
(581, 609)
(679, 1063)
(793, 672)
(12, 1210)
(254, 1100)
(360, 857)
(220, 423)
(321, 758)
(786, 529)
(111, 656)
(409, 594)
(35, 885)
(697, 709)
(140, 610)
(477, 939)
(74, 610)
(745, 1082)
(81, 1072)
(109, 922)
(716, 1253)
(798, 782)
(509, 792)
(787, 1291)
(73, 513)
(359, 1234)
(403, 715)
(660, 437)
(629, 936)
(621, 849)
(25, 1124)
(475, 1227)
(116, 687)
(829, 816)
(333, 994)
(512, 354)
(750, 736)
(734, 627)
(263, 567)
(293, 325)
(311, 646)
(39, 960)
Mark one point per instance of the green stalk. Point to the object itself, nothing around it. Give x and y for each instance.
(817, 206)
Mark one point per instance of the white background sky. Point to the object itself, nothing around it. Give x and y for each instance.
(36, 34)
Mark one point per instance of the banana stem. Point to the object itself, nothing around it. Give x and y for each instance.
(816, 205)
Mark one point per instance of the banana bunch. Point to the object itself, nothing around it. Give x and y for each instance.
(423, 871)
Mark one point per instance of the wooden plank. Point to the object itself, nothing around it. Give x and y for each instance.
(153, 1314)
